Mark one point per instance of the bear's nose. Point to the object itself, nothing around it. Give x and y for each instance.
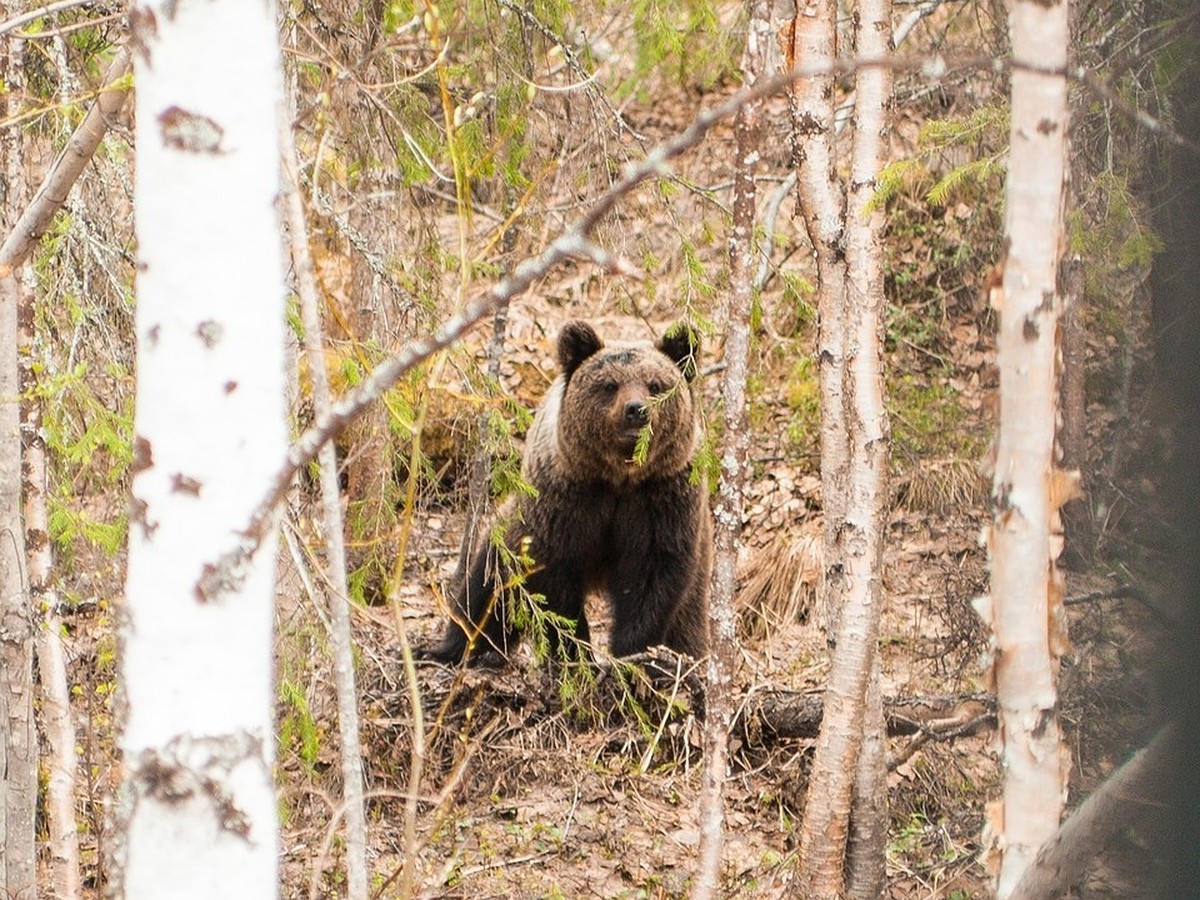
(637, 413)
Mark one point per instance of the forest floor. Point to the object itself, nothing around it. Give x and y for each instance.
(532, 786)
(542, 784)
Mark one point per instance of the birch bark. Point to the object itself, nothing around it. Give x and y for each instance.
(870, 443)
(18, 742)
(1025, 608)
(735, 443)
(847, 784)
(813, 36)
(198, 807)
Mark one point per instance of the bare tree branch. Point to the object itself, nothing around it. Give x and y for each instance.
(49, 9)
(66, 169)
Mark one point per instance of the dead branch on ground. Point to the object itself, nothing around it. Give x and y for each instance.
(664, 682)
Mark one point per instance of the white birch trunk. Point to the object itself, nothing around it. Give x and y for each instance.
(18, 743)
(60, 760)
(727, 532)
(847, 783)
(1025, 535)
(341, 634)
(870, 441)
(198, 805)
(822, 202)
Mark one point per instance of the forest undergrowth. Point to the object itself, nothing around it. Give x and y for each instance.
(580, 781)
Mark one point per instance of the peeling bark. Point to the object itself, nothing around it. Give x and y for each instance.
(1025, 607)
(869, 437)
(848, 779)
(812, 35)
(727, 533)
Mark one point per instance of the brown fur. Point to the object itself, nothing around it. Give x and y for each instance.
(638, 533)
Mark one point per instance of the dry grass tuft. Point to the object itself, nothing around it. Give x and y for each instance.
(941, 487)
(780, 582)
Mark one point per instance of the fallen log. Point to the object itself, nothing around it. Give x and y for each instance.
(661, 686)
(791, 714)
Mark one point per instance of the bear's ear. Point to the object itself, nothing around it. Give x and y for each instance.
(681, 344)
(576, 342)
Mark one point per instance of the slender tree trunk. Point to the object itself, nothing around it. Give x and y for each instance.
(55, 695)
(18, 756)
(1026, 610)
(848, 781)
(747, 128)
(332, 527)
(198, 808)
(870, 435)
(812, 35)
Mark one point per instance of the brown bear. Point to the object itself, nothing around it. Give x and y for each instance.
(616, 513)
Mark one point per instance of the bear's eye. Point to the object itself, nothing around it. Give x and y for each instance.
(609, 387)
(656, 388)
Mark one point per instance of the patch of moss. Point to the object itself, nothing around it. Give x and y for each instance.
(929, 421)
(802, 393)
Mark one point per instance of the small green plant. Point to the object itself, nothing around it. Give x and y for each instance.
(943, 224)
(984, 132)
(803, 396)
(928, 421)
(685, 40)
(641, 449)
(89, 446)
(298, 728)
(551, 635)
(909, 835)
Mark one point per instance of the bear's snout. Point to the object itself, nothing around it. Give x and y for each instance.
(637, 413)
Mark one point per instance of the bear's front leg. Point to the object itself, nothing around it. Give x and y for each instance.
(565, 631)
(476, 626)
(658, 580)
(645, 605)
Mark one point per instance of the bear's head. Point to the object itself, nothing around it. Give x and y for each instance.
(626, 410)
